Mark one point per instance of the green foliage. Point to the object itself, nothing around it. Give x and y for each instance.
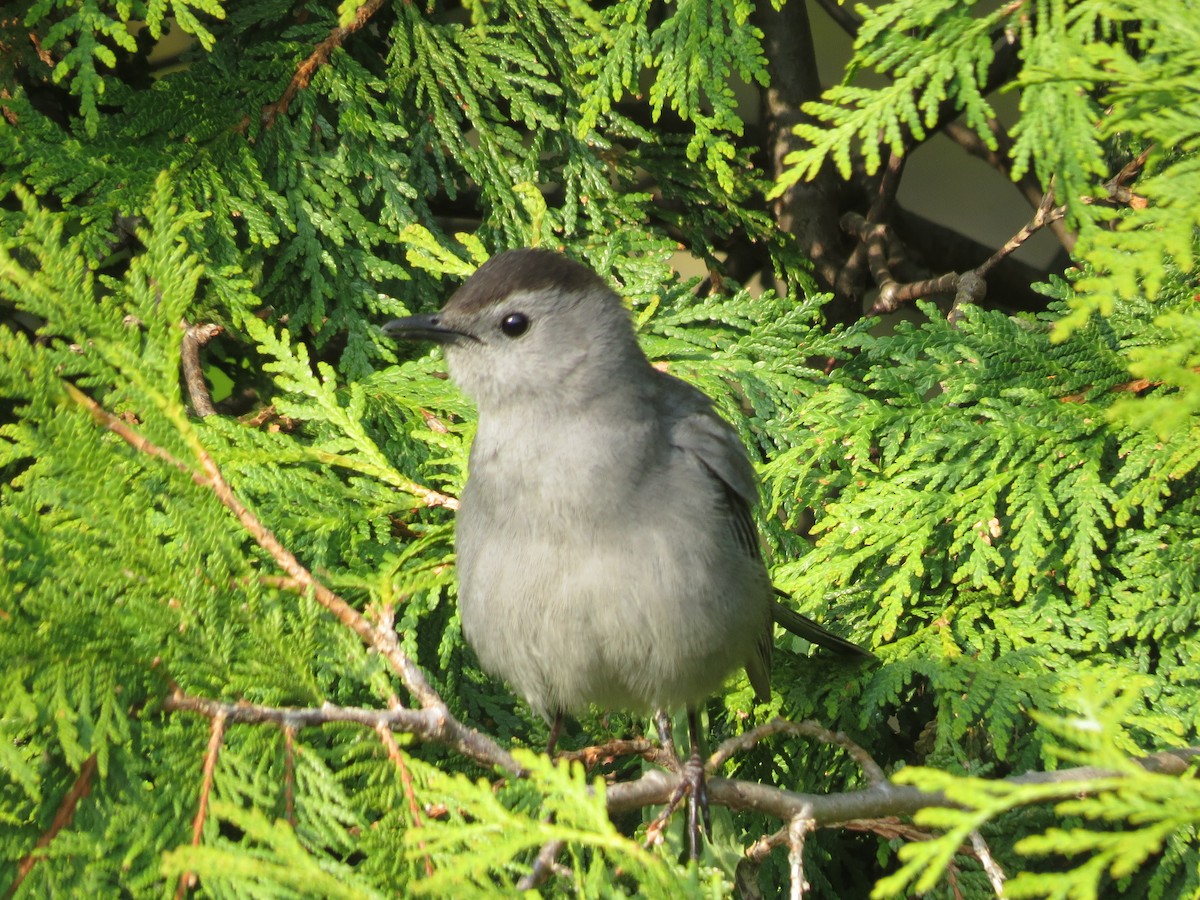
(1093, 75)
(1147, 809)
(999, 508)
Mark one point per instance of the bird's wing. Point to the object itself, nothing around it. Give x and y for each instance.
(716, 445)
(714, 442)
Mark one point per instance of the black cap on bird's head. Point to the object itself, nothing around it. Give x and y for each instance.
(525, 323)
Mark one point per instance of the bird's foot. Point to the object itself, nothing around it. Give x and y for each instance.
(691, 785)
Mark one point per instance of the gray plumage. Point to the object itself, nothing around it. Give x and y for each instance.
(606, 551)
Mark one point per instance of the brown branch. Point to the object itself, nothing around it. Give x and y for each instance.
(316, 59)
(544, 865)
(195, 337)
(1043, 215)
(994, 873)
(878, 801)
(393, 751)
(62, 818)
(848, 21)
(872, 247)
(127, 434)
(593, 756)
(289, 774)
(1000, 159)
(428, 724)
(797, 830)
(439, 725)
(215, 738)
(806, 210)
(968, 286)
(809, 729)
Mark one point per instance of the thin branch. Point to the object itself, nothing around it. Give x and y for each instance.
(195, 337)
(1000, 159)
(810, 729)
(872, 244)
(289, 774)
(878, 801)
(544, 865)
(994, 873)
(593, 756)
(439, 725)
(215, 738)
(393, 751)
(846, 20)
(798, 829)
(62, 818)
(1041, 217)
(128, 435)
(426, 724)
(316, 59)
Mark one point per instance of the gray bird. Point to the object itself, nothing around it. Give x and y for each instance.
(606, 549)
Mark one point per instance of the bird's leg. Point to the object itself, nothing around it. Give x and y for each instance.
(693, 776)
(555, 730)
(662, 724)
(691, 783)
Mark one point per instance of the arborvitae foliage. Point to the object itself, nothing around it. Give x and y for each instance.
(200, 691)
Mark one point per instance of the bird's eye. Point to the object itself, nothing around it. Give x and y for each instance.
(514, 324)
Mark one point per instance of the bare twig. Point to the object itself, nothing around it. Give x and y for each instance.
(316, 59)
(592, 756)
(797, 830)
(1000, 159)
(994, 873)
(62, 818)
(809, 729)
(195, 337)
(215, 738)
(873, 232)
(1044, 213)
(544, 865)
(425, 724)
(848, 21)
(410, 794)
(875, 802)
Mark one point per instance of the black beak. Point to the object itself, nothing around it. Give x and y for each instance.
(424, 328)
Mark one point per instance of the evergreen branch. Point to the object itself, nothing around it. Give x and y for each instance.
(316, 59)
(62, 818)
(128, 435)
(441, 725)
(393, 751)
(289, 774)
(215, 738)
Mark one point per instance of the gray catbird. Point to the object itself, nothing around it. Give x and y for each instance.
(606, 550)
